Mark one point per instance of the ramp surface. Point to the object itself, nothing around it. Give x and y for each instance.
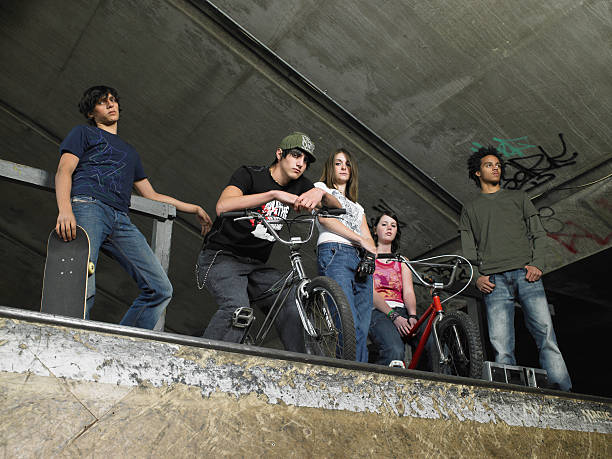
(89, 388)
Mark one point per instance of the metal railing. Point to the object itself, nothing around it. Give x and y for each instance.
(163, 214)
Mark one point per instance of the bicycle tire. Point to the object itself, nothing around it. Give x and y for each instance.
(327, 299)
(467, 363)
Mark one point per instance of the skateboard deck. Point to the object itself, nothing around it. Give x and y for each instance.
(65, 279)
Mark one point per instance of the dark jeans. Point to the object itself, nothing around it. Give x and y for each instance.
(234, 282)
(391, 346)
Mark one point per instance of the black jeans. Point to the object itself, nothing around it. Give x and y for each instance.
(234, 282)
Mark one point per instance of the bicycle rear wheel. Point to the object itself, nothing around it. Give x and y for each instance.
(461, 347)
(330, 314)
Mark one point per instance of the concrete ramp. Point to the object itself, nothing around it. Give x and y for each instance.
(77, 388)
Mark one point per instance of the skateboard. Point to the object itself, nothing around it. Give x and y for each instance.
(65, 280)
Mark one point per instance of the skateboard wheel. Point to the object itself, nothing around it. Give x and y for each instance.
(91, 268)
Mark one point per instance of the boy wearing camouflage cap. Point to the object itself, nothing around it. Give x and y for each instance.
(232, 263)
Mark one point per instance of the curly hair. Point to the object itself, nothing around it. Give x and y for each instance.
(90, 98)
(473, 162)
(395, 245)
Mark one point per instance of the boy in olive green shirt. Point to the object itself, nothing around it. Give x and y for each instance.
(502, 235)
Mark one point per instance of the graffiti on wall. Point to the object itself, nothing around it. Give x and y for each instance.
(550, 223)
(604, 204)
(509, 147)
(526, 169)
(568, 233)
(576, 232)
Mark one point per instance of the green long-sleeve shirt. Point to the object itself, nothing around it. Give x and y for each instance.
(502, 231)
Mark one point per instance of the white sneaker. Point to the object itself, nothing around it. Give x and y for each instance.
(397, 364)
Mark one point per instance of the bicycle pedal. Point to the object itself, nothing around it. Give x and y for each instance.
(243, 317)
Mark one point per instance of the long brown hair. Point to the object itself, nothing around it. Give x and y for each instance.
(327, 176)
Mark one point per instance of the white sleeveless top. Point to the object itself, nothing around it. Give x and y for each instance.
(352, 219)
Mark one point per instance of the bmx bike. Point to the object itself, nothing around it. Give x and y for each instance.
(322, 306)
(457, 345)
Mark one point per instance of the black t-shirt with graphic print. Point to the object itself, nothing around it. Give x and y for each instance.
(246, 238)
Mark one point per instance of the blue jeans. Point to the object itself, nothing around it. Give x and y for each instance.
(511, 286)
(112, 231)
(340, 261)
(390, 345)
(237, 281)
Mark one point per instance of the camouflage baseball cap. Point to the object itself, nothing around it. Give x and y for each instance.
(300, 141)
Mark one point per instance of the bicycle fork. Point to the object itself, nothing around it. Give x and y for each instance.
(444, 359)
(296, 277)
(437, 314)
(301, 293)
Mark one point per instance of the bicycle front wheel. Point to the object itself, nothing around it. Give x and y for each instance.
(329, 313)
(461, 347)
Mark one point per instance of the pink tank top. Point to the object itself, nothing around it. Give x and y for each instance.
(388, 280)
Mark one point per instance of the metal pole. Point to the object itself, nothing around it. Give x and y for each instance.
(161, 240)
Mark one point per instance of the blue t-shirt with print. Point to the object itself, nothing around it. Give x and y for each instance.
(107, 168)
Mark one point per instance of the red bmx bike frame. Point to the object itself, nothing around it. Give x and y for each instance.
(435, 311)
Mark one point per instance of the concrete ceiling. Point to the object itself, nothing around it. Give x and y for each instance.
(410, 87)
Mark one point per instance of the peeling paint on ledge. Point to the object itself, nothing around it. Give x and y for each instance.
(54, 351)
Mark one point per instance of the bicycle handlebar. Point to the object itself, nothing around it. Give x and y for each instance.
(425, 262)
(268, 220)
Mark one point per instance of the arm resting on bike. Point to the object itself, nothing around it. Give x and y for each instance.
(232, 198)
(336, 226)
(315, 197)
(330, 201)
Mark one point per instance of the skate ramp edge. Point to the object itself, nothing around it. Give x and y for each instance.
(89, 389)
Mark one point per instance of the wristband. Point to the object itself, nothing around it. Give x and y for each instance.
(393, 315)
(413, 316)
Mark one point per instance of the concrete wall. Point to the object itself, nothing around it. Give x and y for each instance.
(76, 392)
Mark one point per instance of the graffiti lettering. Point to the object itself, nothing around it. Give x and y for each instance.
(527, 171)
(531, 171)
(568, 240)
(550, 223)
(603, 202)
(508, 147)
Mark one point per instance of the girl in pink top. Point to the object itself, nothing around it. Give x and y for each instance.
(394, 311)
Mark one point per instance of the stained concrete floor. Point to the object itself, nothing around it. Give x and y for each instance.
(45, 417)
